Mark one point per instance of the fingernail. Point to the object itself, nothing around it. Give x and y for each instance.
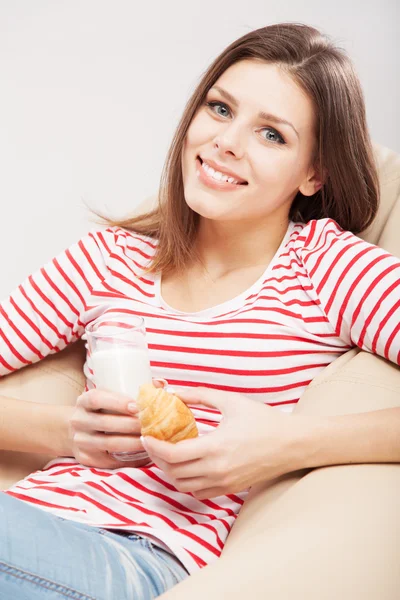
(132, 407)
(164, 382)
(143, 442)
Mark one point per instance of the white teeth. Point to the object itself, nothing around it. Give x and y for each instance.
(217, 175)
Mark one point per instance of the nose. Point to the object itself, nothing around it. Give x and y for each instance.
(230, 141)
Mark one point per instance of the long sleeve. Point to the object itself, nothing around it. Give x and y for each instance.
(357, 285)
(44, 314)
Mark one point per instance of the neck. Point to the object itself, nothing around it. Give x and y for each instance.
(228, 246)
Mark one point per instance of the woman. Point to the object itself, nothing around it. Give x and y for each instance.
(251, 281)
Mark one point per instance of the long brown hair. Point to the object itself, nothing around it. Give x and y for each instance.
(350, 194)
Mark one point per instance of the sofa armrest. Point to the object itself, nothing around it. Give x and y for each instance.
(57, 379)
(356, 382)
(328, 533)
(370, 383)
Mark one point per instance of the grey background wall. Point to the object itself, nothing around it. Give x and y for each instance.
(91, 92)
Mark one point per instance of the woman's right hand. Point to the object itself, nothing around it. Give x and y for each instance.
(95, 433)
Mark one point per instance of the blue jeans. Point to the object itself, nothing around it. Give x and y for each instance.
(46, 557)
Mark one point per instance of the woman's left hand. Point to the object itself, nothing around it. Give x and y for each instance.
(254, 442)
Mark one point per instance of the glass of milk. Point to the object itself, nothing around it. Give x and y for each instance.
(120, 361)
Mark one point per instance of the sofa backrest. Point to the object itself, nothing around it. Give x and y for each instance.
(384, 229)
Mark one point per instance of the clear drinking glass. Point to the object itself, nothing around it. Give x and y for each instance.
(120, 361)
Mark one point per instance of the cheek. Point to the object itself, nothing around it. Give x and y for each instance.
(278, 170)
(268, 169)
(200, 131)
(197, 137)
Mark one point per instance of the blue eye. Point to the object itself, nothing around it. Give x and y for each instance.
(214, 104)
(276, 134)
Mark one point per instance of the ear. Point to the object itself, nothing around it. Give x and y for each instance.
(313, 182)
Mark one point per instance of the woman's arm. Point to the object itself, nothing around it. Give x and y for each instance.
(357, 285)
(40, 317)
(370, 437)
(34, 427)
(255, 443)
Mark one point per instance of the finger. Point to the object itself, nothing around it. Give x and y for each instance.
(192, 486)
(99, 460)
(161, 464)
(103, 460)
(88, 421)
(159, 382)
(194, 480)
(183, 451)
(213, 492)
(97, 399)
(101, 442)
(180, 471)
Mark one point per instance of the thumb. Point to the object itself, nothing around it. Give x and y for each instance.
(202, 395)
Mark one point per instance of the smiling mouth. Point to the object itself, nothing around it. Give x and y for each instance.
(239, 183)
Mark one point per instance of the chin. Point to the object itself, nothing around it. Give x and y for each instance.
(204, 207)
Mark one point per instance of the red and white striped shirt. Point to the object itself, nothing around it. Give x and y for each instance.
(324, 292)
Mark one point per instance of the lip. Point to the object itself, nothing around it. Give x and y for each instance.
(222, 186)
(222, 169)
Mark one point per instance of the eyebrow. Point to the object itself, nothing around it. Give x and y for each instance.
(262, 114)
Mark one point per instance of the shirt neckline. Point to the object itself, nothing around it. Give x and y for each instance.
(228, 305)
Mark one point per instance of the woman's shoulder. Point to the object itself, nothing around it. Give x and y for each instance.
(118, 240)
(317, 234)
(324, 248)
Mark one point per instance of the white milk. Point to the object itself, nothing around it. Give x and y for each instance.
(121, 369)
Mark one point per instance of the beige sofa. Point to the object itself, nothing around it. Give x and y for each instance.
(327, 533)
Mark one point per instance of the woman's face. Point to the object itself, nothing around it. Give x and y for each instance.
(228, 132)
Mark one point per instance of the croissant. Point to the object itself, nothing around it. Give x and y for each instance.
(164, 416)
